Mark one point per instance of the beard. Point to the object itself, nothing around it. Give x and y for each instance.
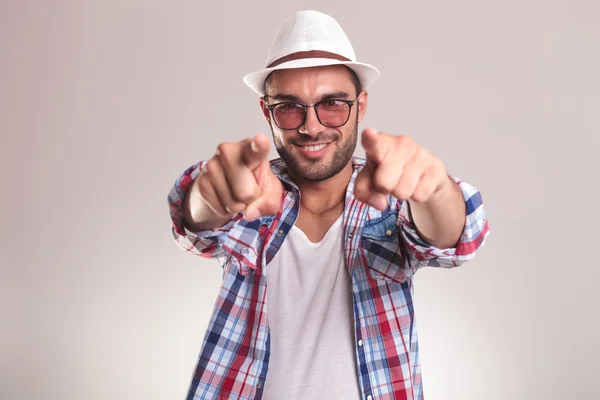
(319, 170)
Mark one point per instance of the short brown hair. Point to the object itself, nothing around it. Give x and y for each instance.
(353, 77)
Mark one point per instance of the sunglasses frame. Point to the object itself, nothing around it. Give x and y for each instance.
(271, 107)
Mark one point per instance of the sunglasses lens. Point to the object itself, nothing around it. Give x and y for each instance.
(333, 113)
(288, 115)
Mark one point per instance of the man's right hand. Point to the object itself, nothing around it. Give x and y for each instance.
(238, 178)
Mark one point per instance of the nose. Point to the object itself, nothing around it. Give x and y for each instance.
(311, 126)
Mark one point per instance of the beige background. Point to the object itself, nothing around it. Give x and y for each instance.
(104, 103)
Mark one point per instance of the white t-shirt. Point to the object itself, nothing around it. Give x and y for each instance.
(309, 306)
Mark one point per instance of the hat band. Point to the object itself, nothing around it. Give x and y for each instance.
(307, 54)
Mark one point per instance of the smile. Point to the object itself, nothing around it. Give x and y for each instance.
(316, 147)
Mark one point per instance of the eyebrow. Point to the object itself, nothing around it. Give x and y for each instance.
(324, 96)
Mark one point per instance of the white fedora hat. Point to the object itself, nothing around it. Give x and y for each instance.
(315, 32)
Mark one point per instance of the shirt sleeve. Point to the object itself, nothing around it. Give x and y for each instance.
(236, 238)
(475, 232)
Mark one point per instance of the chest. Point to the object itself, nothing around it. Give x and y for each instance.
(315, 226)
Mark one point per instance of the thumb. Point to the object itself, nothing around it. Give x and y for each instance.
(260, 207)
(255, 150)
(269, 203)
(375, 145)
(365, 191)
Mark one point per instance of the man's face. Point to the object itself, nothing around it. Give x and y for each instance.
(315, 152)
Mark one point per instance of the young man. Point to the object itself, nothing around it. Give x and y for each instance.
(319, 248)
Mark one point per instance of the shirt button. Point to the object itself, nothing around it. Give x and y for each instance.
(245, 251)
(388, 232)
(360, 342)
(280, 232)
(351, 235)
(259, 385)
(369, 397)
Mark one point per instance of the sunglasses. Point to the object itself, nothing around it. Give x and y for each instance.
(331, 113)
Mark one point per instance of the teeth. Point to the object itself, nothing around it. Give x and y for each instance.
(314, 148)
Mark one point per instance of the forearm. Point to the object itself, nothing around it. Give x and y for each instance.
(441, 220)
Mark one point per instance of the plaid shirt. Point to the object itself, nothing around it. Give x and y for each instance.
(382, 253)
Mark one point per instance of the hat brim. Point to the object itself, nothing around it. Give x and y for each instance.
(367, 74)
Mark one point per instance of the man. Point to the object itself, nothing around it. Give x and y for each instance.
(319, 248)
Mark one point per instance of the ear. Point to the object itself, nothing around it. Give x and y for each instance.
(265, 110)
(362, 104)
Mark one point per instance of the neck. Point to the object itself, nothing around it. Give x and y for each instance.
(320, 197)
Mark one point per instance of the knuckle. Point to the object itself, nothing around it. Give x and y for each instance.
(408, 145)
(403, 192)
(225, 150)
(244, 194)
(211, 166)
(404, 140)
(424, 191)
(403, 195)
(383, 184)
(422, 155)
(235, 207)
(223, 147)
(204, 187)
(418, 152)
(420, 196)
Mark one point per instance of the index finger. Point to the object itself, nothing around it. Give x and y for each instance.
(255, 150)
(375, 144)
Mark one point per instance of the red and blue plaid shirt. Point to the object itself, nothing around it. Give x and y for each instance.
(382, 251)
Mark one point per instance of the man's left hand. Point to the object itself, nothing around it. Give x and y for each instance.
(397, 165)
